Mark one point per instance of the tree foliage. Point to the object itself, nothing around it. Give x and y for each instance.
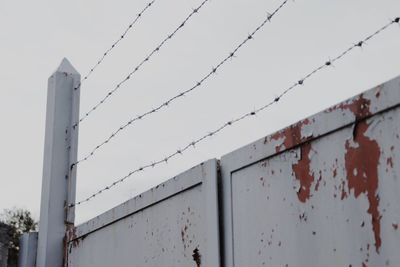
(20, 221)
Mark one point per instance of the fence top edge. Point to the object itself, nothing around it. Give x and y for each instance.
(186, 180)
(364, 105)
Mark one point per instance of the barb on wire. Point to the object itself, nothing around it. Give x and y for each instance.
(183, 93)
(146, 59)
(107, 52)
(244, 116)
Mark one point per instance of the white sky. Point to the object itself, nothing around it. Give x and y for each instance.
(36, 35)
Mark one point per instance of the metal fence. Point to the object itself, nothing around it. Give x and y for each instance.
(322, 192)
(173, 224)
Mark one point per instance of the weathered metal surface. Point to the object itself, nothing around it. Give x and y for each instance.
(322, 192)
(173, 224)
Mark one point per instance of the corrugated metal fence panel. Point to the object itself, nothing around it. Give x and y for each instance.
(173, 224)
(323, 192)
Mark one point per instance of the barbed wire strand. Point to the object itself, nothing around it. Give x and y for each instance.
(183, 93)
(146, 59)
(108, 51)
(249, 114)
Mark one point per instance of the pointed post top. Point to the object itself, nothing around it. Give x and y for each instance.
(66, 67)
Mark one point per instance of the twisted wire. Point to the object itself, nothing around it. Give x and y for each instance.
(183, 93)
(244, 116)
(108, 51)
(146, 59)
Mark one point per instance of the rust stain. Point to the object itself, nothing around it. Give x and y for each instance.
(395, 226)
(389, 162)
(378, 91)
(362, 173)
(71, 236)
(303, 173)
(303, 217)
(262, 181)
(359, 107)
(318, 181)
(291, 136)
(183, 235)
(197, 257)
(344, 193)
(65, 256)
(71, 239)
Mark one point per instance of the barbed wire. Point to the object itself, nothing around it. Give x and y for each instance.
(107, 52)
(183, 93)
(246, 115)
(146, 59)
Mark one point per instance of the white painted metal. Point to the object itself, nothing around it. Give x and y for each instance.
(173, 224)
(60, 150)
(27, 250)
(304, 196)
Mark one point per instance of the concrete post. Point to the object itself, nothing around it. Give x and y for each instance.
(28, 250)
(60, 151)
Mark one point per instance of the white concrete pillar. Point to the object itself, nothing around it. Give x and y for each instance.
(60, 151)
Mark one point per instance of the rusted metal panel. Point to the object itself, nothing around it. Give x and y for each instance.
(322, 192)
(173, 224)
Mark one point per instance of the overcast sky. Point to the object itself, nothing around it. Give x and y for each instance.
(36, 35)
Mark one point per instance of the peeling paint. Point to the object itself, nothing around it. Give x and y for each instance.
(364, 156)
(334, 196)
(71, 239)
(345, 206)
(71, 236)
(303, 173)
(360, 107)
(290, 136)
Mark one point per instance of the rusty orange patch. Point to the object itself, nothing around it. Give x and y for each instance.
(302, 171)
(362, 173)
